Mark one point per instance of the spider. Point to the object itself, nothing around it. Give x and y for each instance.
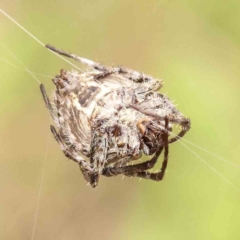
(108, 117)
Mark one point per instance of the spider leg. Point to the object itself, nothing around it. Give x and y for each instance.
(132, 75)
(138, 77)
(46, 99)
(98, 153)
(121, 162)
(85, 167)
(113, 171)
(84, 61)
(153, 176)
(185, 123)
(180, 135)
(160, 174)
(62, 145)
(141, 77)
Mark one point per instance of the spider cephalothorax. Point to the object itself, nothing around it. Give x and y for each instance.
(108, 117)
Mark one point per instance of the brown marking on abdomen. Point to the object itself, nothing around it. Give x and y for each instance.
(87, 95)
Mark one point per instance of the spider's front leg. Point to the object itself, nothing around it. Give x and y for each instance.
(46, 99)
(84, 61)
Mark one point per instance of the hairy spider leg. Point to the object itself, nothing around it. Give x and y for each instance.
(84, 165)
(185, 123)
(133, 75)
(113, 171)
(98, 154)
(84, 61)
(46, 99)
(180, 135)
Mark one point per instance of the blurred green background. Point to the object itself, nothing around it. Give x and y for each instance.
(195, 47)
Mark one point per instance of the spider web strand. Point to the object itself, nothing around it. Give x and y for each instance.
(205, 162)
(23, 69)
(36, 39)
(211, 167)
(11, 53)
(40, 187)
(211, 153)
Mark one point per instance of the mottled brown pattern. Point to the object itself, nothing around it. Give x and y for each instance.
(108, 117)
